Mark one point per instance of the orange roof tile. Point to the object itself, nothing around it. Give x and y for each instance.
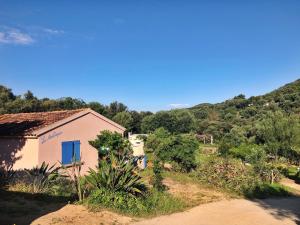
(23, 124)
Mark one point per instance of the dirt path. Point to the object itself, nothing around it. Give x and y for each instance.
(280, 211)
(78, 215)
(236, 212)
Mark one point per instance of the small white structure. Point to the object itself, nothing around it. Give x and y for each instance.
(138, 149)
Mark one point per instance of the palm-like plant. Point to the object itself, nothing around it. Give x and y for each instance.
(42, 176)
(117, 174)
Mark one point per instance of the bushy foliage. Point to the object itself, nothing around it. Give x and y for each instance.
(226, 173)
(157, 175)
(234, 176)
(179, 149)
(279, 133)
(108, 141)
(125, 119)
(174, 121)
(248, 152)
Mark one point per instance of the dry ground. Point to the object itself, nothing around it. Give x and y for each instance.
(220, 210)
(78, 215)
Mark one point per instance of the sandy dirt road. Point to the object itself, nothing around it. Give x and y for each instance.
(281, 211)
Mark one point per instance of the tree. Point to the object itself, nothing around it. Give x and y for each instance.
(99, 108)
(177, 149)
(125, 119)
(175, 121)
(115, 107)
(279, 133)
(108, 141)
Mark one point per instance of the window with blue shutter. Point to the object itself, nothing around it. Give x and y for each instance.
(70, 152)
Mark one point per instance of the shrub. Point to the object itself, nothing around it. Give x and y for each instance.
(108, 141)
(40, 178)
(179, 149)
(152, 203)
(229, 174)
(232, 175)
(116, 174)
(246, 152)
(157, 177)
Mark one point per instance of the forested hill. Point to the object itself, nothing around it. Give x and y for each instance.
(243, 112)
(286, 97)
(237, 114)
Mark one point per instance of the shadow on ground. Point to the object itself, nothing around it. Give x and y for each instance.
(23, 208)
(282, 208)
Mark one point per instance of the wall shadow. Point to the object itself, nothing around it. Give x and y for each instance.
(282, 208)
(9, 147)
(23, 208)
(11, 141)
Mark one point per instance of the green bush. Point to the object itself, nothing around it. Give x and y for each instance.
(157, 176)
(108, 141)
(178, 149)
(226, 173)
(246, 152)
(153, 203)
(117, 175)
(234, 176)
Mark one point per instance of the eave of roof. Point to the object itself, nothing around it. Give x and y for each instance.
(53, 126)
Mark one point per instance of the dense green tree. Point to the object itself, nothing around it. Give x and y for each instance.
(108, 141)
(279, 133)
(125, 119)
(175, 121)
(115, 107)
(99, 108)
(177, 149)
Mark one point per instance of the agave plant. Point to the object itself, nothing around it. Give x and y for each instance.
(6, 175)
(116, 174)
(41, 177)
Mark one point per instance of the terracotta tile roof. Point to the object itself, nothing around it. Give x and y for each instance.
(22, 124)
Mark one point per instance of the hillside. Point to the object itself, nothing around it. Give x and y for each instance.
(244, 112)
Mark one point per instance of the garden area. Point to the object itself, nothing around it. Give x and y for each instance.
(181, 174)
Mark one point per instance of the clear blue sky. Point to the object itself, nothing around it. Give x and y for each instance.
(149, 54)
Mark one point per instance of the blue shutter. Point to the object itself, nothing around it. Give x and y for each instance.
(67, 152)
(77, 150)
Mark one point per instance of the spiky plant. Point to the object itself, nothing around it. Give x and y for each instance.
(41, 177)
(117, 174)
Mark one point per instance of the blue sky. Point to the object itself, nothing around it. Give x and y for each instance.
(150, 55)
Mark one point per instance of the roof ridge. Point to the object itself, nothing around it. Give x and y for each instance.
(54, 111)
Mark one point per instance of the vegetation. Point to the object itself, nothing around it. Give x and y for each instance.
(152, 203)
(258, 141)
(177, 149)
(233, 176)
(40, 178)
(107, 141)
(117, 174)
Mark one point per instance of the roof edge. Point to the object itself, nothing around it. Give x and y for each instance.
(62, 122)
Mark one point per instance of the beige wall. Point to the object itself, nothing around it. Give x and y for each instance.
(83, 129)
(22, 153)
